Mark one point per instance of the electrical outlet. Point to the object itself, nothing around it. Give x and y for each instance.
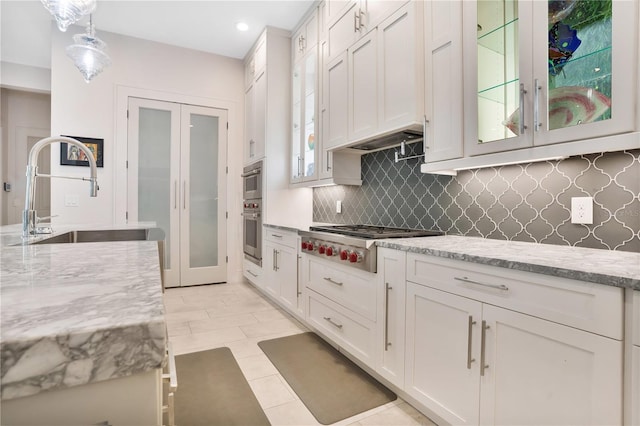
(582, 210)
(338, 206)
(71, 200)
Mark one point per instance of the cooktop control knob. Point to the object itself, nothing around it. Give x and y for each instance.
(310, 246)
(355, 257)
(321, 249)
(344, 254)
(305, 245)
(331, 251)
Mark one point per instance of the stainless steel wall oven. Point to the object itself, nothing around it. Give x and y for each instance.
(252, 213)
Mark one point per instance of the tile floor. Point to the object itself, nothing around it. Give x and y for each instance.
(237, 316)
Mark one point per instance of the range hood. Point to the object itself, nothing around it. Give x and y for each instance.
(407, 135)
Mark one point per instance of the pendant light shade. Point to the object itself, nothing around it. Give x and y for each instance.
(67, 12)
(88, 53)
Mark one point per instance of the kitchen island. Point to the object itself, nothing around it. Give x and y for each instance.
(77, 319)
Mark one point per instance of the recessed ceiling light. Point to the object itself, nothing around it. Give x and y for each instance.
(242, 26)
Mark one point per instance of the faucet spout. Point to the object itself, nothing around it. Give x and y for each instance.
(29, 216)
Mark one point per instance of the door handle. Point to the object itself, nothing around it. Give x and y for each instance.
(522, 93)
(483, 341)
(332, 322)
(332, 281)
(536, 107)
(386, 317)
(469, 359)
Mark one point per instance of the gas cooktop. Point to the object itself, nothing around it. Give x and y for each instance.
(374, 232)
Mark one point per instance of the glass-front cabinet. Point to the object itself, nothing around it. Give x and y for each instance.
(303, 107)
(543, 72)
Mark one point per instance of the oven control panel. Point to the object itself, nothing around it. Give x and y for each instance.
(357, 257)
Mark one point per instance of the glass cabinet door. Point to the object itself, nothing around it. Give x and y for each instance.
(296, 124)
(583, 86)
(309, 114)
(500, 45)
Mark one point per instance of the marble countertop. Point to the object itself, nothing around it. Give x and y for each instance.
(615, 268)
(73, 314)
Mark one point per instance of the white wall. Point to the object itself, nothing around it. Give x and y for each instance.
(98, 109)
(18, 76)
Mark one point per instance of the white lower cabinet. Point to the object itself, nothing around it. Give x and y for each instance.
(635, 391)
(341, 305)
(392, 269)
(280, 264)
(472, 362)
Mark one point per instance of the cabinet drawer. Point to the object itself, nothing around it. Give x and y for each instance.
(588, 306)
(252, 272)
(286, 238)
(355, 334)
(352, 291)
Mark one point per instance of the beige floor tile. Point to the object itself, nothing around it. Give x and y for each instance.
(256, 366)
(207, 340)
(277, 326)
(266, 316)
(271, 392)
(193, 315)
(399, 415)
(201, 326)
(246, 307)
(178, 328)
(291, 414)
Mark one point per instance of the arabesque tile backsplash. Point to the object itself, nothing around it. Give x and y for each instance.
(526, 202)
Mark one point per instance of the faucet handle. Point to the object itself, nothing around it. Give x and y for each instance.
(40, 219)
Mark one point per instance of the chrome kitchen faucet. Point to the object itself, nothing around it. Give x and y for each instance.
(29, 216)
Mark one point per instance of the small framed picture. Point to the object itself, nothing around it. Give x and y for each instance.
(71, 155)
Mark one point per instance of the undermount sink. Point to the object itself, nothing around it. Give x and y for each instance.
(104, 235)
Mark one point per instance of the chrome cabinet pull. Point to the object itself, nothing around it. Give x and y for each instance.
(184, 195)
(277, 266)
(298, 276)
(387, 343)
(251, 273)
(522, 93)
(328, 166)
(536, 108)
(276, 235)
(501, 287)
(469, 359)
(332, 281)
(483, 340)
(333, 323)
(356, 27)
(425, 140)
(360, 13)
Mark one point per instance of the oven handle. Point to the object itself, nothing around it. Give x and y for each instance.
(251, 173)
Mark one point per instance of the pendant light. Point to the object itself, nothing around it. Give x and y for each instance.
(67, 12)
(89, 53)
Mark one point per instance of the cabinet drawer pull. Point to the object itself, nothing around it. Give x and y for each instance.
(387, 343)
(483, 341)
(495, 286)
(469, 359)
(332, 281)
(251, 273)
(333, 323)
(276, 235)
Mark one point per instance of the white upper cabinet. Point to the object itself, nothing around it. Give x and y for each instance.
(380, 73)
(539, 72)
(443, 138)
(305, 38)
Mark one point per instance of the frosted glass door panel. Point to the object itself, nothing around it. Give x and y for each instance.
(154, 170)
(203, 192)
(203, 159)
(309, 114)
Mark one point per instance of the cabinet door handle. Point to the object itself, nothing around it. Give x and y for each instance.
(276, 235)
(332, 281)
(184, 195)
(356, 27)
(332, 322)
(483, 342)
(360, 13)
(501, 287)
(328, 166)
(425, 140)
(175, 194)
(522, 93)
(251, 273)
(536, 107)
(469, 359)
(387, 343)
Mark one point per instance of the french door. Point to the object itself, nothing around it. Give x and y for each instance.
(177, 178)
